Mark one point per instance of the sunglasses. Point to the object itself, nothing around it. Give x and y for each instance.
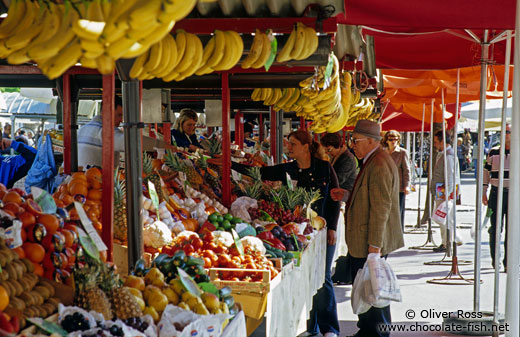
(393, 139)
(508, 132)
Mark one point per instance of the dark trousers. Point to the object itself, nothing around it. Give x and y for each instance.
(324, 314)
(369, 322)
(492, 203)
(402, 199)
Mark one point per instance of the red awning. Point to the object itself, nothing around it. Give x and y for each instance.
(431, 14)
(396, 119)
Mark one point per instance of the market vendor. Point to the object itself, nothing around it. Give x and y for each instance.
(310, 172)
(14, 168)
(183, 132)
(90, 139)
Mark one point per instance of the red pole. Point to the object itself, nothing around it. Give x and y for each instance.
(273, 132)
(226, 142)
(261, 128)
(108, 163)
(344, 136)
(167, 132)
(66, 124)
(302, 123)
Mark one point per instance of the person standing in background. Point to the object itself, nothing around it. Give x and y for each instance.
(392, 141)
(7, 131)
(183, 133)
(491, 172)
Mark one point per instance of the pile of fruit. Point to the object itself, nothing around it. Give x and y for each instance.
(23, 294)
(95, 33)
(155, 291)
(49, 241)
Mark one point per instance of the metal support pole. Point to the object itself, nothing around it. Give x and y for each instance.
(66, 123)
(272, 124)
(430, 170)
(107, 216)
(446, 180)
(302, 123)
(133, 169)
(455, 140)
(279, 136)
(239, 129)
(479, 168)
(421, 163)
(500, 215)
(513, 249)
(226, 142)
(74, 104)
(261, 128)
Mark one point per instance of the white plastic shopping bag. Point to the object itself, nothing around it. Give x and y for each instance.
(441, 212)
(374, 286)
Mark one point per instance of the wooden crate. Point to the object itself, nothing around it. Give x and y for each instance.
(120, 254)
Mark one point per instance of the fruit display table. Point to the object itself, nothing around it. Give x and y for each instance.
(237, 327)
(290, 300)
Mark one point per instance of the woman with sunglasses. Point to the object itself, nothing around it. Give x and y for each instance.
(391, 141)
(311, 172)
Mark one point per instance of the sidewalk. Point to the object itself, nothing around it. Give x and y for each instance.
(418, 295)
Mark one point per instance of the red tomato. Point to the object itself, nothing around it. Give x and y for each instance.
(209, 237)
(208, 263)
(188, 249)
(220, 250)
(197, 243)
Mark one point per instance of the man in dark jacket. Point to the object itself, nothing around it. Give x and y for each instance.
(14, 168)
(342, 160)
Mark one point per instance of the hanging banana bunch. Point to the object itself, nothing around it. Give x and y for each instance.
(95, 33)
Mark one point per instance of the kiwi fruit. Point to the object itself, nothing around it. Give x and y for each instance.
(54, 301)
(39, 297)
(28, 298)
(17, 303)
(42, 291)
(4, 276)
(3, 258)
(17, 286)
(7, 287)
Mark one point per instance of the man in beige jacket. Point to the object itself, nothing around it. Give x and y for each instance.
(373, 217)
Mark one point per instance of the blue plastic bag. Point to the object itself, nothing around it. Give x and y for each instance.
(43, 171)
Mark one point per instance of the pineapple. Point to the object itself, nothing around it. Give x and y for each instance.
(254, 191)
(124, 305)
(210, 176)
(213, 146)
(151, 175)
(185, 166)
(120, 225)
(88, 295)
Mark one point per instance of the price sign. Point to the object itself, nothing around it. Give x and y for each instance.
(289, 181)
(44, 200)
(154, 197)
(89, 229)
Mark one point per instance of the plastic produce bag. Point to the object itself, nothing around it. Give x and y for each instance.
(374, 286)
(177, 322)
(43, 170)
(241, 205)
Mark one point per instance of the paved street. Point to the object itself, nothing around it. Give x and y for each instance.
(409, 266)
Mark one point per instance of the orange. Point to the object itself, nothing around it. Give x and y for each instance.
(94, 173)
(12, 196)
(66, 199)
(33, 207)
(4, 298)
(50, 222)
(94, 194)
(13, 207)
(34, 252)
(63, 189)
(77, 187)
(38, 269)
(79, 175)
(23, 234)
(94, 183)
(19, 251)
(27, 219)
(69, 237)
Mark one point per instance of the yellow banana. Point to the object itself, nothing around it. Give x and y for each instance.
(95, 11)
(196, 44)
(255, 95)
(66, 58)
(105, 64)
(64, 35)
(15, 15)
(266, 52)
(218, 53)
(300, 41)
(169, 56)
(88, 29)
(311, 43)
(255, 52)
(137, 67)
(23, 33)
(117, 24)
(189, 52)
(107, 8)
(165, 59)
(208, 51)
(120, 47)
(91, 48)
(144, 13)
(239, 47)
(158, 33)
(285, 53)
(88, 62)
(294, 98)
(155, 57)
(227, 59)
(181, 8)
